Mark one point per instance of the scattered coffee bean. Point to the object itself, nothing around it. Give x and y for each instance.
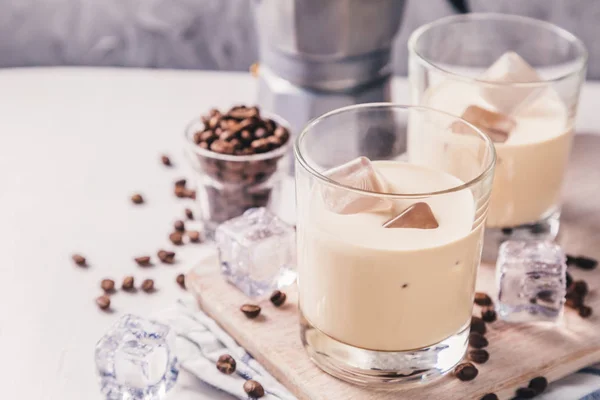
(250, 310)
(254, 389)
(103, 302)
(176, 238)
(569, 280)
(108, 285)
(488, 314)
(489, 396)
(525, 393)
(482, 299)
(278, 298)
(584, 311)
(179, 226)
(128, 283)
(137, 198)
(507, 231)
(226, 364)
(194, 236)
(573, 300)
(580, 288)
(148, 285)
(189, 214)
(570, 259)
(167, 257)
(586, 262)
(166, 160)
(79, 260)
(142, 261)
(479, 356)
(181, 280)
(477, 325)
(180, 182)
(477, 340)
(465, 371)
(538, 384)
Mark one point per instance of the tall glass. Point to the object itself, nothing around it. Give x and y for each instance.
(385, 299)
(518, 79)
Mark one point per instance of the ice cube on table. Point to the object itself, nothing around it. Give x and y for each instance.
(496, 125)
(531, 281)
(360, 174)
(257, 252)
(135, 360)
(510, 68)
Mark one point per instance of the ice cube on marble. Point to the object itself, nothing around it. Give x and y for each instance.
(510, 68)
(531, 281)
(417, 216)
(135, 360)
(257, 252)
(359, 174)
(496, 125)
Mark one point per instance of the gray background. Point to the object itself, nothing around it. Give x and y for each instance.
(211, 34)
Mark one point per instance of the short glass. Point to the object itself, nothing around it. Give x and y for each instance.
(448, 70)
(386, 305)
(228, 185)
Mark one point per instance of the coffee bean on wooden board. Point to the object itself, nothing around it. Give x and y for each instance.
(226, 364)
(103, 302)
(176, 238)
(108, 285)
(489, 396)
(477, 340)
(166, 257)
(250, 310)
(584, 311)
(466, 372)
(479, 356)
(137, 198)
(254, 389)
(278, 298)
(143, 261)
(478, 325)
(525, 393)
(538, 384)
(488, 314)
(128, 283)
(189, 214)
(180, 280)
(148, 285)
(79, 260)
(166, 160)
(482, 299)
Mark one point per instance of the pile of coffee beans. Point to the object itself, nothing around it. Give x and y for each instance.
(232, 186)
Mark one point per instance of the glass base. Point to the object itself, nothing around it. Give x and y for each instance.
(544, 229)
(382, 369)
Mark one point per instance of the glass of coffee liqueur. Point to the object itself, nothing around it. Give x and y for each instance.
(391, 207)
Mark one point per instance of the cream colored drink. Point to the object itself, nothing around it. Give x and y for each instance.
(390, 289)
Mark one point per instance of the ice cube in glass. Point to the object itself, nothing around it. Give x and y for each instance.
(531, 281)
(257, 252)
(135, 360)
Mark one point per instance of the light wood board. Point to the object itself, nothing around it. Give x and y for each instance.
(517, 352)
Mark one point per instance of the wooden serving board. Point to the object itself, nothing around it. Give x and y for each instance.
(518, 352)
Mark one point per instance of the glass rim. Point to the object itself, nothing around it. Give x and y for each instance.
(580, 65)
(278, 152)
(392, 106)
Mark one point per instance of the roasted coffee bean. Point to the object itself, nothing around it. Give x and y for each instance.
(243, 113)
(479, 356)
(586, 262)
(143, 261)
(570, 259)
(274, 141)
(525, 393)
(465, 371)
(180, 182)
(584, 311)
(477, 340)
(180, 280)
(477, 325)
(128, 283)
(189, 214)
(270, 125)
(282, 134)
(260, 133)
(482, 299)
(278, 298)
(488, 314)
(176, 238)
(246, 136)
(213, 122)
(179, 226)
(250, 310)
(538, 384)
(579, 287)
(108, 285)
(507, 231)
(165, 160)
(204, 145)
(569, 280)
(194, 236)
(489, 396)
(223, 147)
(260, 145)
(226, 364)
(573, 300)
(148, 285)
(103, 302)
(254, 389)
(227, 136)
(137, 198)
(79, 260)
(167, 257)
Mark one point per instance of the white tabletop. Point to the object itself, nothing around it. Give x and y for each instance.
(74, 145)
